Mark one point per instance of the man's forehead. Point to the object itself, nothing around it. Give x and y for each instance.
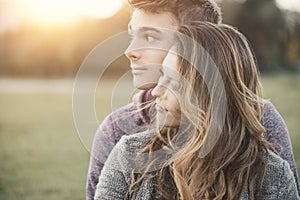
(141, 19)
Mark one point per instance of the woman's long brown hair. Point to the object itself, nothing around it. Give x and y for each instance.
(237, 162)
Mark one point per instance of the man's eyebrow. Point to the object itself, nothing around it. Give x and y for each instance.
(129, 27)
(143, 29)
(147, 28)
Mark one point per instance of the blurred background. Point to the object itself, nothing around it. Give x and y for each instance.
(44, 42)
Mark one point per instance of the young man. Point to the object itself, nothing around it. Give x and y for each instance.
(149, 18)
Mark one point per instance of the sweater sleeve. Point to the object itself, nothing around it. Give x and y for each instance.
(115, 176)
(121, 122)
(277, 133)
(111, 185)
(102, 146)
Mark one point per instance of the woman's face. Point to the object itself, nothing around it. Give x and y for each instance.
(166, 93)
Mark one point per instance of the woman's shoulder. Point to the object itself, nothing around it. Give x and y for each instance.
(277, 167)
(122, 157)
(135, 142)
(275, 163)
(279, 178)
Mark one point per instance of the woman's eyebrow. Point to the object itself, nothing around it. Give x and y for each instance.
(161, 70)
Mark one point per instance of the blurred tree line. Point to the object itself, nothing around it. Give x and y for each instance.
(273, 33)
(32, 51)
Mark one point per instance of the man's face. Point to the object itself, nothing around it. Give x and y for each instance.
(150, 43)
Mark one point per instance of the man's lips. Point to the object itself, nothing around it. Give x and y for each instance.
(138, 70)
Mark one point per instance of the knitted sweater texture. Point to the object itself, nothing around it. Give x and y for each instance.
(125, 121)
(279, 182)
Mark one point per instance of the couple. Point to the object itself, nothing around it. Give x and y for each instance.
(167, 160)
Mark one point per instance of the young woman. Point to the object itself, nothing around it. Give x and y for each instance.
(149, 17)
(194, 153)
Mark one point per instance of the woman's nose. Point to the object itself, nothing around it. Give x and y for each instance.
(157, 90)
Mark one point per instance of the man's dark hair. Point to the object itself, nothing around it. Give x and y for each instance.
(185, 11)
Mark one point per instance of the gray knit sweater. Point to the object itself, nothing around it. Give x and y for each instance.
(123, 122)
(279, 182)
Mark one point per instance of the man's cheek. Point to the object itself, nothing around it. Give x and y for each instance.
(158, 56)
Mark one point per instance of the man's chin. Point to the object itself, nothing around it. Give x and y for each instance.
(143, 85)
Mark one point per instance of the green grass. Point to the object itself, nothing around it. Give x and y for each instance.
(42, 156)
(284, 93)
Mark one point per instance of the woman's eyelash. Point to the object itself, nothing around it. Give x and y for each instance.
(161, 72)
(149, 38)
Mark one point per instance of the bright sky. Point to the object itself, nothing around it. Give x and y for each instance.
(289, 4)
(54, 12)
(66, 12)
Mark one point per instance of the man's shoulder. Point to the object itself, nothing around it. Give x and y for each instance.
(124, 112)
(270, 112)
(127, 118)
(119, 122)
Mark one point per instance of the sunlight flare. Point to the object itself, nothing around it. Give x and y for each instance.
(51, 12)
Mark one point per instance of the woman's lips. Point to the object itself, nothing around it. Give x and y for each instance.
(160, 108)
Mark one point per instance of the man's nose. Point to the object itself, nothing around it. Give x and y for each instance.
(133, 53)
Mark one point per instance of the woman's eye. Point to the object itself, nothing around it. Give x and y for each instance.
(149, 38)
(161, 79)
